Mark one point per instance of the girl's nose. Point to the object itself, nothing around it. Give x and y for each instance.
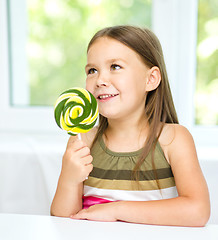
(102, 81)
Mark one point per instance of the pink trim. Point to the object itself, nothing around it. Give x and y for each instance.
(90, 201)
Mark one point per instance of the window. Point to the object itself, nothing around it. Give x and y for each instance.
(56, 40)
(54, 57)
(180, 42)
(206, 96)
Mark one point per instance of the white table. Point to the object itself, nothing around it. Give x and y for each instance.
(32, 227)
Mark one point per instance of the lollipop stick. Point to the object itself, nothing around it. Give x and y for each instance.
(79, 136)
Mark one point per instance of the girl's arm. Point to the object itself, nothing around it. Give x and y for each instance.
(190, 208)
(67, 199)
(76, 166)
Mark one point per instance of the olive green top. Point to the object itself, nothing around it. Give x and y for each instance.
(114, 171)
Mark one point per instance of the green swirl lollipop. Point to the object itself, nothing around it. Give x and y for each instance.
(76, 111)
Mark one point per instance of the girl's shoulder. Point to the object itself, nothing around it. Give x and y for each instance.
(173, 137)
(172, 132)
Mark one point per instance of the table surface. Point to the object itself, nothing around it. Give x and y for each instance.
(32, 227)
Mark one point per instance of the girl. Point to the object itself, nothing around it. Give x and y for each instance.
(143, 165)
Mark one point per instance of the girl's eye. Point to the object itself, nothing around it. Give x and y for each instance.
(115, 67)
(92, 71)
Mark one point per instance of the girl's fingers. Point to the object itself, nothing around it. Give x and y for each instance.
(84, 151)
(80, 215)
(71, 141)
(89, 168)
(74, 144)
(87, 160)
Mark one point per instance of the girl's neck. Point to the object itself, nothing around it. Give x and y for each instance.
(126, 135)
(124, 125)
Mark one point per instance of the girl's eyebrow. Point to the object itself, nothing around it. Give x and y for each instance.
(112, 60)
(89, 65)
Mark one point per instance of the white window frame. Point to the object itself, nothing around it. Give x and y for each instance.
(18, 119)
(174, 22)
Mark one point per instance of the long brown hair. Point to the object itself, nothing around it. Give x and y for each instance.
(159, 106)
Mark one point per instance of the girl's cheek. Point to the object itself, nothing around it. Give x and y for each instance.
(89, 87)
(87, 83)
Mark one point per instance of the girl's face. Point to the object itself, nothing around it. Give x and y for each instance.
(116, 76)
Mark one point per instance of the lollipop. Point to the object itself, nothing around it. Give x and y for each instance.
(76, 111)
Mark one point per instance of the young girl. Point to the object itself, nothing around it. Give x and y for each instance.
(142, 166)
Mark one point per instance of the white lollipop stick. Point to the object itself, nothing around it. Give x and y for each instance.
(79, 136)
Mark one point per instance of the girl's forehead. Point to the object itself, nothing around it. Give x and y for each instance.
(108, 41)
(106, 50)
(109, 46)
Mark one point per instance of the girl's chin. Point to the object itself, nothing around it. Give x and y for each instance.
(109, 115)
(111, 112)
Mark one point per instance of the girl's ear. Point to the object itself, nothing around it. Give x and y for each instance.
(153, 78)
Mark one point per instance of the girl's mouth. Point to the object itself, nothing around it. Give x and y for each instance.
(106, 96)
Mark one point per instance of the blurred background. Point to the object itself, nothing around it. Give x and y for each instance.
(43, 52)
(57, 33)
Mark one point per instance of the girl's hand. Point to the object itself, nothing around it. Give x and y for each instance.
(104, 212)
(76, 163)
